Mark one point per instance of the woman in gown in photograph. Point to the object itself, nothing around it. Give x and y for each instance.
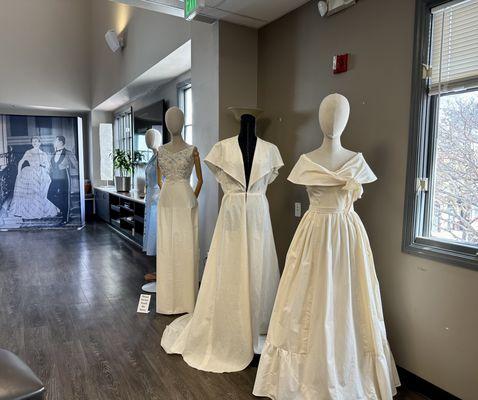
(32, 184)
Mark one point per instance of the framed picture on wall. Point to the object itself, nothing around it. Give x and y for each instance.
(40, 172)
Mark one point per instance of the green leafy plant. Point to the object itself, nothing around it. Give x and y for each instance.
(122, 162)
(138, 158)
(125, 163)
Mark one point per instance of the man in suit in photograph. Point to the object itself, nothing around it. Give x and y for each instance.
(62, 162)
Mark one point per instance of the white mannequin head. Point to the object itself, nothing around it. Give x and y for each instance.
(334, 114)
(153, 138)
(174, 121)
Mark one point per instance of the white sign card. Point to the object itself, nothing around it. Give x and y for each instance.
(143, 305)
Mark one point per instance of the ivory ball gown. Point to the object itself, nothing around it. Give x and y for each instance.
(327, 338)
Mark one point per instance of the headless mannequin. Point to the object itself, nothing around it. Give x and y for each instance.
(175, 124)
(247, 142)
(334, 114)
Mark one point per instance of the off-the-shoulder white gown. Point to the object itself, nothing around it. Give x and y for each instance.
(327, 338)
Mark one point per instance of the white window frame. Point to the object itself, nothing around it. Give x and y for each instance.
(183, 87)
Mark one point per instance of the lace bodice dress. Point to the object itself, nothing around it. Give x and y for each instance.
(176, 166)
(177, 243)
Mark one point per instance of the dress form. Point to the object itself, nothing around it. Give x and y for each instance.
(175, 123)
(247, 138)
(247, 142)
(334, 114)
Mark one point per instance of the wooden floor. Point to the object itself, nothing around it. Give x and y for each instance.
(68, 308)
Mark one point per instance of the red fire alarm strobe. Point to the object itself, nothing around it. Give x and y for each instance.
(340, 64)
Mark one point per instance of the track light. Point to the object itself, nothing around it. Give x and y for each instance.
(330, 7)
(114, 41)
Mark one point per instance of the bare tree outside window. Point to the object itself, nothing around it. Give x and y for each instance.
(455, 188)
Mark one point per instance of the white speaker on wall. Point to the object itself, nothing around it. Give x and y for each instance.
(330, 7)
(114, 41)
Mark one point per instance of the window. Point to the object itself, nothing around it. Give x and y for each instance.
(18, 125)
(186, 104)
(441, 217)
(123, 134)
(44, 126)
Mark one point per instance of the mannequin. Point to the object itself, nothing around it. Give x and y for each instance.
(175, 123)
(334, 114)
(247, 137)
(177, 245)
(327, 338)
(153, 141)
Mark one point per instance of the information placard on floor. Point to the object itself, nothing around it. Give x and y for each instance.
(143, 305)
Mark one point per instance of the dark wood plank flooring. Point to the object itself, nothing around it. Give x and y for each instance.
(68, 308)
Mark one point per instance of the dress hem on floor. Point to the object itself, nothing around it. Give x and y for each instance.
(270, 386)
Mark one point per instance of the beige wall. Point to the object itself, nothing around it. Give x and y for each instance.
(237, 73)
(430, 308)
(205, 83)
(45, 53)
(224, 73)
(150, 37)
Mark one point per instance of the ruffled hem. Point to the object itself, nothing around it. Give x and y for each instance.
(280, 377)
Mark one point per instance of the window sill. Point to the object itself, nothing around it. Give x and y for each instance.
(438, 251)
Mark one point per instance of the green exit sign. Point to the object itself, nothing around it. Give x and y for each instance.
(191, 8)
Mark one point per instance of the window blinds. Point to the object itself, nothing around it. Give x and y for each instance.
(454, 47)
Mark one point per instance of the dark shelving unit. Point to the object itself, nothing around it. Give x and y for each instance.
(124, 212)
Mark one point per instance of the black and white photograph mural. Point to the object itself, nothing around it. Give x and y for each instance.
(39, 172)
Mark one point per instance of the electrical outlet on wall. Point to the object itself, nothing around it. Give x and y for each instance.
(298, 209)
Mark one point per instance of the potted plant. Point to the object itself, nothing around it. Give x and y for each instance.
(125, 164)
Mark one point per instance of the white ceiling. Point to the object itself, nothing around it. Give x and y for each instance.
(253, 13)
(175, 64)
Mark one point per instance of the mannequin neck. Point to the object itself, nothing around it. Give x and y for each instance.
(247, 142)
(331, 144)
(248, 127)
(176, 138)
